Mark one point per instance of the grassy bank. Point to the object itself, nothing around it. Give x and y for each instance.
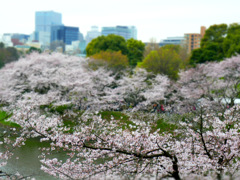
(124, 120)
(4, 120)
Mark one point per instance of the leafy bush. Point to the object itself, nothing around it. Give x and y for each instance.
(115, 61)
(56, 109)
(3, 120)
(163, 61)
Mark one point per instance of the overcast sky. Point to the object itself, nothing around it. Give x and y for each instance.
(157, 19)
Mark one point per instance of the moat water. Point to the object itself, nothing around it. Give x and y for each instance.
(25, 161)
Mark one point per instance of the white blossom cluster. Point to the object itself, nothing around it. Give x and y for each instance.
(58, 79)
(207, 142)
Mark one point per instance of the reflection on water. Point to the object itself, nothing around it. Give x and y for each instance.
(25, 161)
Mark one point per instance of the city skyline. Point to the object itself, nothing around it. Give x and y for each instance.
(153, 18)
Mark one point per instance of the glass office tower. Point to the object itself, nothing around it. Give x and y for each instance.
(66, 34)
(44, 20)
(127, 32)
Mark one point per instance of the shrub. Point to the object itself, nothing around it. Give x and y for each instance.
(111, 60)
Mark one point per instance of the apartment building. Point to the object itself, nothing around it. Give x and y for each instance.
(193, 40)
(92, 34)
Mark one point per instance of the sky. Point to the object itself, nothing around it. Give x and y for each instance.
(156, 19)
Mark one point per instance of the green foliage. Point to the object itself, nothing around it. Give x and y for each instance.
(1, 45)
(114, 114)
(231, 44)
(214, 34)
(1, 62)
(56, 109)
(3, 120)
(107, 43)
(175, 48)
(163, 126)
(151, 46)
(34, 49)
(115, 61)
(165, 61)
(3, 115)
(123, 120)
(210, 53)
(10, 124)
(197, 56)
(71, 121)
(219, 42)
(237, 86)
(13, 54)
(60, 109)
(7, 55)
(135, 51)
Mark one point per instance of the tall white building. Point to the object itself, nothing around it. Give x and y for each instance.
(44, 38)
(92, 34)
(127, 32)
(133, 32)
(7, 40)
(44, 20)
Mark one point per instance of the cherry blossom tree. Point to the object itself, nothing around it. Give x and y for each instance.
(218, 137)
(138, 90)
(215, 84)
(120, 151)
(8, 144)
(205, 144)
(60, 79)
(98, 147)
(4, 155)
(208, 91)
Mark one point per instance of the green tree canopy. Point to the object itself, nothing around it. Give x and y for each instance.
(8, 55)
(107, 43)
(135, 51)
(214, 34)
(34, 49)
(114, 61)
(231, 44)
(151, 46)
(165, 61)
(1, 45)
(219, 42)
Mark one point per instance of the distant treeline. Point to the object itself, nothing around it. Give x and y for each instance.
(7, 54)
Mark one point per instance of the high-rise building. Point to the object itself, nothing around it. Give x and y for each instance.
(172, 40)
(44, 38)
(66, 34)
(127, 32)
(133, 32)
(80, 36)
(193, 40)
(92, 34)
(7, 40)
(82, 47)
(44, 20)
